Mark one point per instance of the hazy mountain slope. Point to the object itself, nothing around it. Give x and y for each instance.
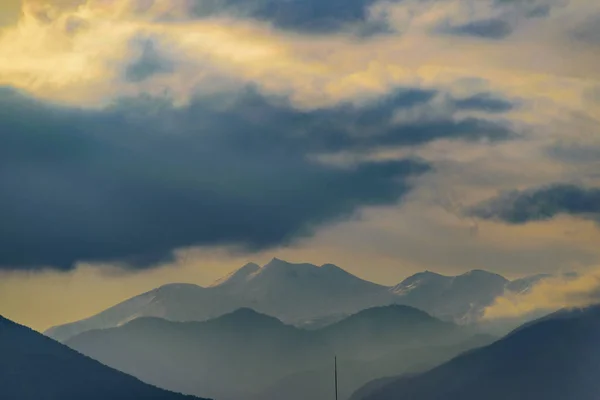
(375, 332)
(523, 285)
(227, 357)
(459, 298)
(34, 367)
(305, 295)
(375, 385)
(297, 292)
(293, 293)
(555, 358)
(317, 384)
(175, 302)
(245, 352)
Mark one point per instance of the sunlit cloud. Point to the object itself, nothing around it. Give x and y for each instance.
(549, 295)
(58, 47)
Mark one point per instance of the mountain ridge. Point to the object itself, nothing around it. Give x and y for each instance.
(300, 292)
(245, 352)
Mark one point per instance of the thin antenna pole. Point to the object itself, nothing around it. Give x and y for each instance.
(336, 384)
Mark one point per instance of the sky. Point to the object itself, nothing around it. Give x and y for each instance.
(145, 142)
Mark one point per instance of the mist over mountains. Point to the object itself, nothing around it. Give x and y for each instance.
(246, 354)
(306, 294)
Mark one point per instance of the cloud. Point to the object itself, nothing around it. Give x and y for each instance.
(487, 28)
(495, 20)
(9, 12)
(318, 91)
(588, 31)
(149, 62)
(532, 8)
(310, 16)
(55, 52)
(542, 10)
(141, 178)
(548, 295)
(519, 207)
(486, 102)
(307, 17)
(578, 152)
(593, 94)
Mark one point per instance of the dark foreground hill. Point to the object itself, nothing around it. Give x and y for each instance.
(34, 367)
(554, 358)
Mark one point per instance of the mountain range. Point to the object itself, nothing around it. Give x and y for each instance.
(554, 358)
(248, 355)
(272, 332)
(35, 367)
(305, 295)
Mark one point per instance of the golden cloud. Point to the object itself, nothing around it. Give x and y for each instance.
(549, 295)
(75, 51)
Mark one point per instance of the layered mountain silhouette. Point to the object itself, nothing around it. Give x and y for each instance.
(228, 357)
(304, 295)
(35, 367)
(246, 354)
(554, 358)
(293, 293)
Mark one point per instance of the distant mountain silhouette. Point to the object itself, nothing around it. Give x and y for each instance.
(246, 353)
(293, 293)
(377, 331)
(226, 358)
(34, 367)
(178, 302)
(460, 298)
(297, 292)
(554, 358)
(305, 295)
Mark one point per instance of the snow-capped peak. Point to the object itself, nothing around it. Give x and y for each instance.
(238, 276)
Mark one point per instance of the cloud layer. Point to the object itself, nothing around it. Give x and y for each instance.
(520, 207)
(549, 295)
(129, 129)
(142, 178)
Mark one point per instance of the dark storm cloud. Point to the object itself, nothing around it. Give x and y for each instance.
(519, 207)
(486, 102)
(576, 154)
(504, 23)
(141, 178)
(543, 10)
(494, 28)
(307, 16)
(352, 16)
(532, 8)
(589, 31)
(349, 127)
